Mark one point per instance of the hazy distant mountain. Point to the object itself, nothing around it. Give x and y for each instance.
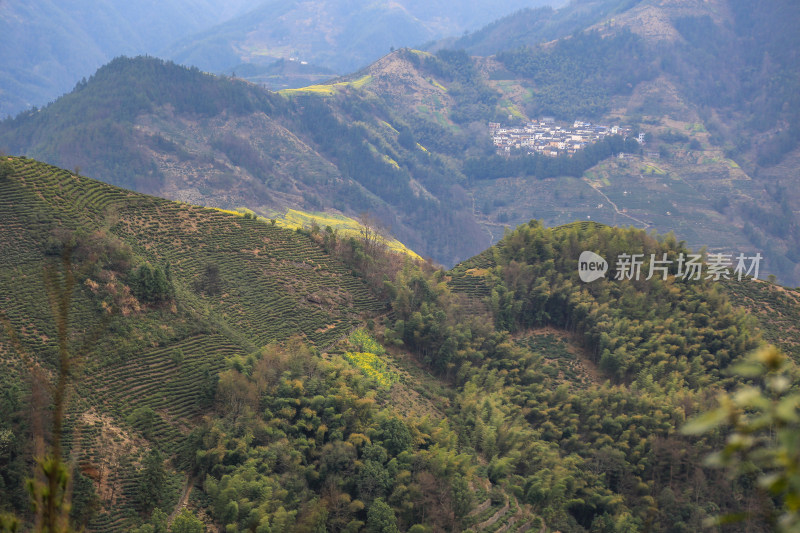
(47, 46)
(531, 26)
(340, 35)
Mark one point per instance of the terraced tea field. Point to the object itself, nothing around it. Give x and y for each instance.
(470, 276)
(274, 283)
(152, 371)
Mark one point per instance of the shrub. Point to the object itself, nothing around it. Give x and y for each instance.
(143, 419)
(186, 522)
(151, 285)
(6, 169)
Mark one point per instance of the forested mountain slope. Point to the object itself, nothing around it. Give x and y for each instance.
(185, 135)
(502, 394)
(588, 430)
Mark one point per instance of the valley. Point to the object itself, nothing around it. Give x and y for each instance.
(422, 114)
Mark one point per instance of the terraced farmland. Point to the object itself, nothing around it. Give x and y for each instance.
(274, 283)
(470, 276)
(152, 372)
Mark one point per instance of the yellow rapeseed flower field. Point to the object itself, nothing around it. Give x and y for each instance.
(230, 212)
(329, 88)
(372, 366)
(345, 226)
(368, 358)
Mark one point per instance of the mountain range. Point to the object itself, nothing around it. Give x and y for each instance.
(48, 47)
(342, 36)
(399, 133)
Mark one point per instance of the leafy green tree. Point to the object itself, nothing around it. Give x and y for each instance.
(381, 518)
(159, 520)
(210, 282)
(84, 499)
(6, 169)
(156, 524)
(396, 436)
(187, 522)
(765, 431)
(9, 523)
(462, 496)
(372, 480)
(152, 482)
(143, 419)
(151, 285)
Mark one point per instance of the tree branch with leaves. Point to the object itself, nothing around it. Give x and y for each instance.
(50, 486)
(764, 439)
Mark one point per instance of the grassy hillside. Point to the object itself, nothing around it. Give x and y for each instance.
(343, 226)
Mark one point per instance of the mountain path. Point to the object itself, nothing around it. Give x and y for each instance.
(601, 193)
(184, 499)
(475, 214)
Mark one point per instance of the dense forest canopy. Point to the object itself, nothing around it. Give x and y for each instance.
(577, 76)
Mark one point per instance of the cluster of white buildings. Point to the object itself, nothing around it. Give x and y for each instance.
(547, 137)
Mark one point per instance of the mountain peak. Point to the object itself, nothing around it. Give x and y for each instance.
(654, 20)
